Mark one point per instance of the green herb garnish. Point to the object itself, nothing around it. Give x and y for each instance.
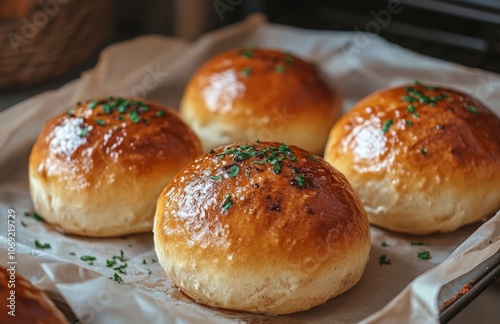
(100, 122)
(216, 177)
(383, 259)
(144, 261)
(423, 151)
(93, 104)
(472, 109)
(408, 98)
(417, 243)
(387, 125)
(134, 116)
(120, 257)
(383, 244)
(42, 245)
(277, 168)
(246, 71)
(72, 253)
(408, 122)
(411, 109)
(246, 53)
(425, 255)
(227, 203)
(35, 216)
(70, 112)
(24, 224)
(84, 132)
(87, 258)
(233, 171)
(313, 157)
(288, 60)
(300, 180)
(121, 269)
(106, 108)
(280, 69)
(153, 260)
(117, 278)
(122, 109)
(149, 272)
(110, 263)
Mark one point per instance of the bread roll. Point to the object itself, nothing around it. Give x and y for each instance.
(245, 94)
(25, 303)
(261, 227)
(422, 159)
(97, 169)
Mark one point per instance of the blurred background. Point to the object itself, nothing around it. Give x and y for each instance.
(47, 43)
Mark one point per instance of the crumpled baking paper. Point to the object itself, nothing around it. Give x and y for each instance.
(158, 68)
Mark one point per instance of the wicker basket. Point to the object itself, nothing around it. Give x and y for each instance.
(54, 37)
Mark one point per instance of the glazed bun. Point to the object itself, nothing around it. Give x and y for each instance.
(97, 169)
(261, 227)
(422, 159)
(242, 95)
(29, 305)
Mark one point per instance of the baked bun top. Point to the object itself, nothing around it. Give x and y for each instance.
(94, 139)
(418, 131)
(261, 205)
(258, 78)
(245, 85)
(31, 304)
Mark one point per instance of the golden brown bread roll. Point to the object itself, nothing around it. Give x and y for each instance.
(422, 159)
(261, 227)
(97, 169)
(241, 95)
(25, 302)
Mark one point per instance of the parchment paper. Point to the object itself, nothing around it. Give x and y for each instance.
(158, 68)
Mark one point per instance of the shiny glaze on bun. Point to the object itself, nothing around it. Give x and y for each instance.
(99, 149)
(261, 227)
(422, 158)
(245, 94)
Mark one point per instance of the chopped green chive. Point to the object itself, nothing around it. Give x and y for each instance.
(87, 258)
(211, 151)
(227, 203)
(35, 216)
(117, 278)
(93, 104)
(280, 69)
(383, 259)
(416, 82)
(257, 140)
(417, 115)
(300, 180)
(408, 122)
(120, 118)
(24, 224)
(408, 98)
(84, 132)
(143, 108)
(246, 53)
(472, 109)
(160, 113)
(149, 272)
(383, 244)
(288, 60)
(277, 168)
(106, 108)
(153, 260)
(423, 151)
(121, 269)
(120, 257)
(122, 109)
(72, 253)
(134, 116)
(386, 126)
(144, 261)
(216, 177)
(425, 255)
(313, 157)
(233, 171)
(70, 112)
(417, 243)
(411, 109)
(42, 245)
(110, 263)
(247, 71)
(100, 122)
